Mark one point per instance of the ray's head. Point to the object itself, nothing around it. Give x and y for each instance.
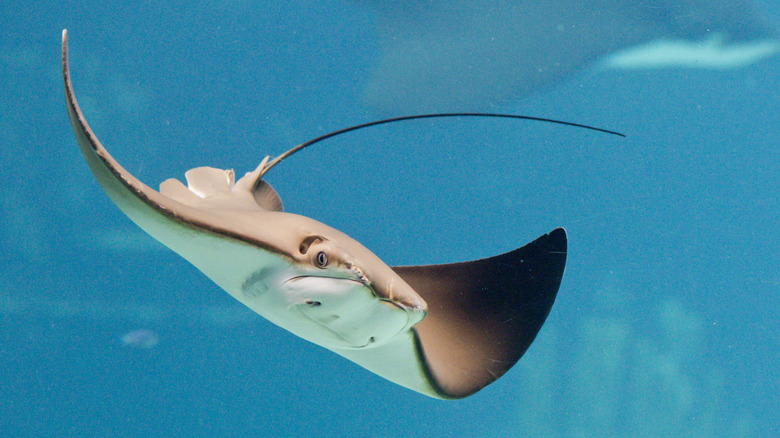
(299, 273)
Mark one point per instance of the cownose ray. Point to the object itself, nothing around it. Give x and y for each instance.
(462, 54)
(445, 331)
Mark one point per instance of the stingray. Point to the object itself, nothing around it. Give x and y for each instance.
(445, 331)
(466, 54)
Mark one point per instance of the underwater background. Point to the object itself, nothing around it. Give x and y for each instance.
(666, 323)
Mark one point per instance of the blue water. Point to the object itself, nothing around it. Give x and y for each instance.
(665, 325)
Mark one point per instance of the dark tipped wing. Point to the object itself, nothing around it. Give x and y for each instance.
(483, 315)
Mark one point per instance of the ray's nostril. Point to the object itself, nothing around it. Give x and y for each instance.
(312, 303)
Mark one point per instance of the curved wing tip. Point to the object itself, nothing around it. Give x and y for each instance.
(559, 236)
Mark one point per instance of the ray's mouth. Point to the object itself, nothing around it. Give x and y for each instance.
(352, 273)
(360, 281)
(298, 278)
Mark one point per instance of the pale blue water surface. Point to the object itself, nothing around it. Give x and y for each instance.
(666, 323)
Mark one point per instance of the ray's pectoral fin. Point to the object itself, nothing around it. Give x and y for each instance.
(483, 315)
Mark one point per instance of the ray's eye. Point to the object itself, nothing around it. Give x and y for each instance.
(322, 259)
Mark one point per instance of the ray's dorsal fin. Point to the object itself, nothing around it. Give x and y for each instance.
(483, 315)
(266, 196)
